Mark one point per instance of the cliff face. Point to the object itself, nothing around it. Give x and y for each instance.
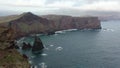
(68, 22)
(28, 23)
(9, 56)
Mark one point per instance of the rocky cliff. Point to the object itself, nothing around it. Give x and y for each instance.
(9, 56)
(69, 22)
(28, 23)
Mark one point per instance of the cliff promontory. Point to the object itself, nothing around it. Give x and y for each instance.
(69, 22)
(9, 56)
(28, 23)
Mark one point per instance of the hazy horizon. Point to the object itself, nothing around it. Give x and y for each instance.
(60, 7)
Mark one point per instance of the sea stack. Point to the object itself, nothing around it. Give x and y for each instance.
(38, 45)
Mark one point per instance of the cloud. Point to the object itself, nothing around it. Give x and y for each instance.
(59, 6)
(101, 6)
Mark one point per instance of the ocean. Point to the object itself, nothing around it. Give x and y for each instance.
(79, 48)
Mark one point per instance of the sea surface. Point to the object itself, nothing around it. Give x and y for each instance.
(79, 48)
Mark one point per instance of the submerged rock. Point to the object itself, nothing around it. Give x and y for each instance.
(24, 56)
(38, 45)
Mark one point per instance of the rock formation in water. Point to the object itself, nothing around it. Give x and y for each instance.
(26, 46)
(28, 23)
(38, 45)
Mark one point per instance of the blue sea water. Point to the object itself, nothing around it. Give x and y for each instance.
(79, 49)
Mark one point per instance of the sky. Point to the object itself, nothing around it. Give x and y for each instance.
(64, 7)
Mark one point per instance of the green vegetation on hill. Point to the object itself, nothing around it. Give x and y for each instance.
(10, 57)
(8, 18)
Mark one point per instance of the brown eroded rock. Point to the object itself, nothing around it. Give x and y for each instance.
(26, 46)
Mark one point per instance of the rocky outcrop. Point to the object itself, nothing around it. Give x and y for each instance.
(50, 33)
(9, 56)
(28, 23)
(68, 22)
(8, 34)
(26, 46)
(13, 45)
(38, 45)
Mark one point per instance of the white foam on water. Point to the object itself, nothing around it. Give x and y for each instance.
(20, 48)
(70, 30)
(32, 56)
(30, 61)
(44, 54)
(112, 30)
(104, 29)
(59, 48)
(35, 66)
(43, 65)
(63, 31)
(20, 41)
(44, 46)
(51, 45)
(47, 48)
(59, 32)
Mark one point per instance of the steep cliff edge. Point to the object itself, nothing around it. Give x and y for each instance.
(69, 22)
(9, 56)
(28, 23)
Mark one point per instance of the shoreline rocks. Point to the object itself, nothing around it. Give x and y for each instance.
(26, 46)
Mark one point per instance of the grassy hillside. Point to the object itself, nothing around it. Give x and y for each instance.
(10, 58)
(8, 18)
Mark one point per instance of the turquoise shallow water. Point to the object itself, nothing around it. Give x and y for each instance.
(80, 49)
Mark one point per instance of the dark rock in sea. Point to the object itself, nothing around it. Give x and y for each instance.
(26, 46)
(50, 33)
(16, 47)
(38, 45)
(24, 56)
